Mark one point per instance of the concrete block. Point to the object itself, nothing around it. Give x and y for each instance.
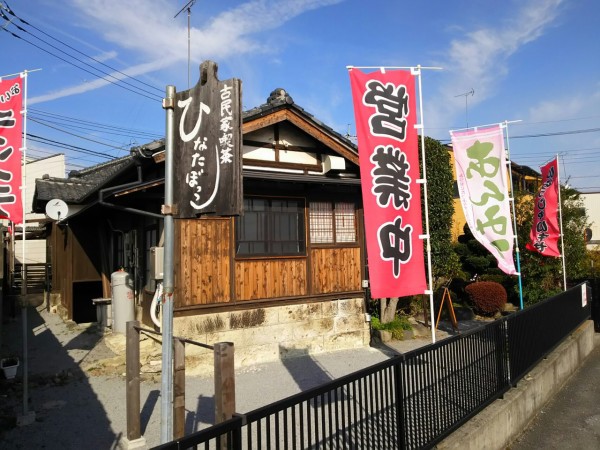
(135, 444)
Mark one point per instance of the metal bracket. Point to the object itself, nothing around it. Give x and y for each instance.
(168, 103)
(168, 210)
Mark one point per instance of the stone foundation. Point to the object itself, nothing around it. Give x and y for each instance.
(266, 334)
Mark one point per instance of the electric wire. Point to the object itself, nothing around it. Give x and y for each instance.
(96, 126)
(118, 80)
(11, 12)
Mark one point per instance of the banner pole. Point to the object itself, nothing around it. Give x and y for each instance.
(562, 243)
(512, 193)
(427, 237)
(27, 416)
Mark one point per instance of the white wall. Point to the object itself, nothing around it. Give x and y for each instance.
(591, 201)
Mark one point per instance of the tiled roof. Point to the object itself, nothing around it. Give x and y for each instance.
(80, 184)
(279, 99)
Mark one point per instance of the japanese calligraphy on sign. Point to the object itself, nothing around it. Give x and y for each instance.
(545, 230)
(208, 162)
(11, 101)
(480, 163)
(385, 111)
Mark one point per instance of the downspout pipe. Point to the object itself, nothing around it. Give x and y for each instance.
(113, 189)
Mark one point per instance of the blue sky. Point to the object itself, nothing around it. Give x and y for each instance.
(530, 60)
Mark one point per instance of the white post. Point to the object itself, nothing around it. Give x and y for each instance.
(512, 200)
(421, 126)
(562, 243)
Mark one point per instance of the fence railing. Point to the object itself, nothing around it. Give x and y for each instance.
(410, 401)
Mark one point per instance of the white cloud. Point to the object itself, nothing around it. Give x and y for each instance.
(479, 59)
(149, 31)
(101, 82)
(579, 105)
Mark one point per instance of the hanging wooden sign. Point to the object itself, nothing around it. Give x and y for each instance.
(207, 149)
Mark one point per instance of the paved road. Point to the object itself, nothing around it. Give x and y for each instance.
(77, 405)
(571, 420)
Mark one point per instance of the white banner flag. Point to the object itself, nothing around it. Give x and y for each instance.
(480, 163)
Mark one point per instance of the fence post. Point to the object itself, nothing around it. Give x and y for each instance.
(132, 355)
(224, 381)
(178, 388)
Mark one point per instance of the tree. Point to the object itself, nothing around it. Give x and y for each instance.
(542, 275)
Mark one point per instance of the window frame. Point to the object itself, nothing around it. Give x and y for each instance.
(335, 242)
(269, 225)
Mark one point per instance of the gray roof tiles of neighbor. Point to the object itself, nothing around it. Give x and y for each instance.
(80, 184)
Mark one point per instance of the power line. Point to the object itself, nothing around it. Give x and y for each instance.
(151, 96)
(73, 134)
(74, 57)
(66, 146)
(101, 127)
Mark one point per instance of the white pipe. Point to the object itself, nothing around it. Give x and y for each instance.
(155, 305)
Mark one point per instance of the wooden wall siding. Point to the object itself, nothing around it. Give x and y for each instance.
(335, 270)
(202, 269)
(258, 279)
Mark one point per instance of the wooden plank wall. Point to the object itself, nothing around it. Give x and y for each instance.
(335, 270)
(270, 278)
(202, 270)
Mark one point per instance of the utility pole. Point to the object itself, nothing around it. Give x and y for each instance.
(188, 6)
(466, 95)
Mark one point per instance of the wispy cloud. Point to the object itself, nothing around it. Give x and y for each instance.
(101, 82)
(479, 58)
(148, 31)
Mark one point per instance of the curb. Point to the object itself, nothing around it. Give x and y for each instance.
(505, 419)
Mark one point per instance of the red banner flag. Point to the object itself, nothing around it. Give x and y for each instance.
(11, 101)
(385, 112)
(545, 230)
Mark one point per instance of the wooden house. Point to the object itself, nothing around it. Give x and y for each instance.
(284, 278)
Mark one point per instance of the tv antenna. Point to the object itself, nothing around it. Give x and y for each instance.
(466, 96)
(187, 6)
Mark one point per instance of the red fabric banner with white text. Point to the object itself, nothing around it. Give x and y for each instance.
(545, 230)
(385, 112)
(11, 101)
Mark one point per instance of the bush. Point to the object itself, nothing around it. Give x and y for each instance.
(487, 297)
(396, 326)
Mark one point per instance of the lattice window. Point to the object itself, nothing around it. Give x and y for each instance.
(332, 223)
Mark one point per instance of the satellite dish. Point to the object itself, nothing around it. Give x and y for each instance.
(57, 209)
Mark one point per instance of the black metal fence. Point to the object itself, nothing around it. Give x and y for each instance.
(412, 400)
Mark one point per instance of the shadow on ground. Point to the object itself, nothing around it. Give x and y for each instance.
(68, 414)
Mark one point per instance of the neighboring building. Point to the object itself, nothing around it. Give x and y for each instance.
(591, 202)
(34, 252)
(285, 278)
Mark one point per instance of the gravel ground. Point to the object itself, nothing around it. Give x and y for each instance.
(77, 384)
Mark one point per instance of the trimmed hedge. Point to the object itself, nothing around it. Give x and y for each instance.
(487, 297)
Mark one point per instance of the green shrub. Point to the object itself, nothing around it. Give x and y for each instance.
(487, 297)
(396, 327)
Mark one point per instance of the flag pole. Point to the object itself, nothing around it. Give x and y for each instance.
(28, 417)
(562, 243)
(512, 200)
(426, 236)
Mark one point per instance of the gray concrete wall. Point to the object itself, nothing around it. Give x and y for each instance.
(502, 422)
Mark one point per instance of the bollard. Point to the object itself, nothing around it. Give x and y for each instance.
(132, 361)
(178, 388)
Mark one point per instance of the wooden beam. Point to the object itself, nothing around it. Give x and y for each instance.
(325, 138)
